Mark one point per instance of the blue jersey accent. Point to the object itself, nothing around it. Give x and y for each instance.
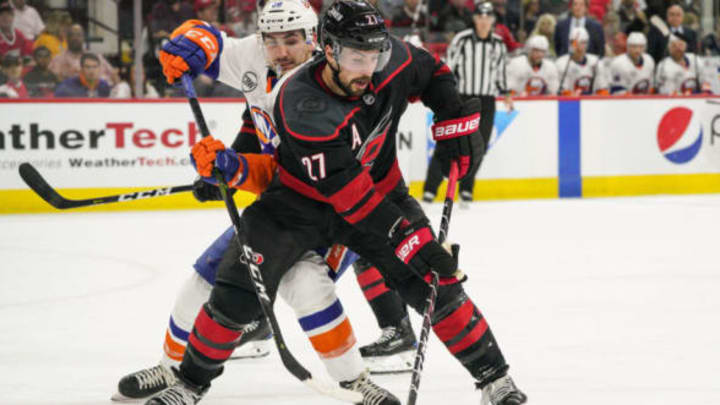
(206, 265)
(321, 318)
(178, 332)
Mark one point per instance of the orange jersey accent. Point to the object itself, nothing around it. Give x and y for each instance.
(261, 169)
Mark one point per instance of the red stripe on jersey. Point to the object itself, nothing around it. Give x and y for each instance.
(397, 71)
(308, 137)
(475, 334)
(378, 290)
(209, 329)
(352, 192)
(369, 276)
(444, 69)
(366, 209)
(453, 324)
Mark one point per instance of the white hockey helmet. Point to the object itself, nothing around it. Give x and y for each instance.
(288, 15)
(636, 38)
(579, 34)
(538, 42)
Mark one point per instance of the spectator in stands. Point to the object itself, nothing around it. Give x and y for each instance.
(454, 17)
(681, 72)
(579, 18)
(531, 13)
(13, 86)
(166, 15)
(11, 39)
(711, 42)
(88, 83)
(611, 27)
(658, 43)
(27, 20)
(546, 27)
(532, 74)
(598, 8)
(506, 17)
(632, 17)
(126, 88)
(67, 64)
(40, 81)
(209, 10)
(54, 37)
(406, 15)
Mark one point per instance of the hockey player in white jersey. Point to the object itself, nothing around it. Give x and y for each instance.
(681, 73)
(580, 72)
(632, 72)
(287, 38)
(532, 74)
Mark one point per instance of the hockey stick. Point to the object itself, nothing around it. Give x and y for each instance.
(288, 360)
(40, 186)
(425, 331)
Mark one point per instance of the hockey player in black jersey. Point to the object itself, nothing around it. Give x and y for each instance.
(339, 181)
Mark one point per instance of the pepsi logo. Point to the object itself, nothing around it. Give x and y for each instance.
(679, 135)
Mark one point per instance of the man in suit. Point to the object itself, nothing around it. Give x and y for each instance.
(579, 18)
(657, 42)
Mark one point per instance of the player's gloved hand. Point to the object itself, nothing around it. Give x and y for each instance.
(415, 245)
(211, 153)
(459, 138)
(193, 47)
(204, 191)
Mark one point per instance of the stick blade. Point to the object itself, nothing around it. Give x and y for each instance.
(34, 180)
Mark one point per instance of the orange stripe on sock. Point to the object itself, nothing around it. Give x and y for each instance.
(334, 342)
(173, 349)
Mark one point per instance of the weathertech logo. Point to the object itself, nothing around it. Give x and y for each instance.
(457, 127)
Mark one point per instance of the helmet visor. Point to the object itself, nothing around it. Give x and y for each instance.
(363, 61)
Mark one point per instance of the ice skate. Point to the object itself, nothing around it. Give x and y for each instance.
(465, 200)
(144, 383)
(256, 341)
(502, 392)
(393, 352)
(180, 393)
(372, 394)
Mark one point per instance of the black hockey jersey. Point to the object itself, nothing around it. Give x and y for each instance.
(342, 150)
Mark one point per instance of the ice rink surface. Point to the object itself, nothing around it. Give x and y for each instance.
(594, 302)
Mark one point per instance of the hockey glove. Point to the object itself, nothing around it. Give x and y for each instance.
(456, 137)
(193, 48)
(211, 153)
(204, 191)
(416, 246)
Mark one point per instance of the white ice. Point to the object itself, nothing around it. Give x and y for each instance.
(594, 302)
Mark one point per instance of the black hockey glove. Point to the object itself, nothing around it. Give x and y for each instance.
(416, 246)
(203, 191)
(459, 138)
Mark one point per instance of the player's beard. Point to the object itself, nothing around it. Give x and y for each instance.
(357, 91)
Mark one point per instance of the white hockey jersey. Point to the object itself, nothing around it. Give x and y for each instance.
(712, 68)
(583, 78)
(243, 66)
(628, 78)
(673, 78)
(525, 80)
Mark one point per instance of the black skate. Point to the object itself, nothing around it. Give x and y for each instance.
(180, 393)
(372, 394)
(256, 341)
(502, 392)
(144, 383)
(466, 198)
(393, 352)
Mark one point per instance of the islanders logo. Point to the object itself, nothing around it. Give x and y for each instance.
(679, 135)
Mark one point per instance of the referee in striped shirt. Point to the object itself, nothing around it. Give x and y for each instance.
(477, 58)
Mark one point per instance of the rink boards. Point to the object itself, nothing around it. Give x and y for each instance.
(544, 148)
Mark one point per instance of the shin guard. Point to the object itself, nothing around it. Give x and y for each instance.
(385, 303)
(462, 328)
(209, 346)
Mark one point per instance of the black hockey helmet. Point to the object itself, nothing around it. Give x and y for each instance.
(355, 24)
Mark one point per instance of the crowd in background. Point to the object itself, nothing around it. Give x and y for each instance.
(44, 51)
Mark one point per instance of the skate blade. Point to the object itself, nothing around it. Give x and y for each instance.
(252, 350)
(118, 397)
(398, 363)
